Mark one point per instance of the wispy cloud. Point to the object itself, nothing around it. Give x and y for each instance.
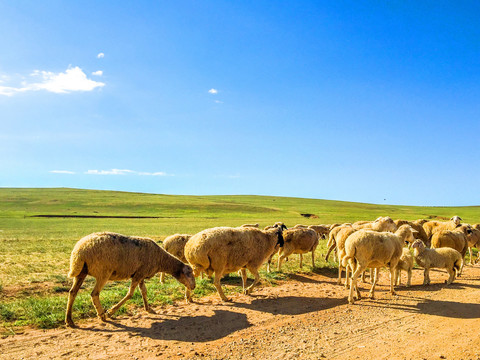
(100, 55)
(218, 102)
(97, 73)
(125, 172)
(213, 91)
(62, 172)
(73, 79)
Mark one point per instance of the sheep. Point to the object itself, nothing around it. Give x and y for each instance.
(278, 224)
(175, 244)
(455, 239)
(298, 226)
(322, 230)
(297, 241)
(380, 224)
(420, 234)
(341, 237)
(110, 256)
(405, 263)
(446, 258)
(250, 225)
(223, 250)
(366, 248)
(432, 227)
(474, 242)
(332, 242)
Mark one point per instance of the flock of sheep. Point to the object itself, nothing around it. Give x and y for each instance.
(222, 250)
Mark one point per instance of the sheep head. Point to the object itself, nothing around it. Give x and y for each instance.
(418, 244)
(185, 276)
(456, 220)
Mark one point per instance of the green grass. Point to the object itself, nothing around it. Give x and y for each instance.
(34, 251)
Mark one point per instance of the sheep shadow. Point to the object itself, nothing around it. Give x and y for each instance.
(191, 328)
(292, 305)
(443, 308)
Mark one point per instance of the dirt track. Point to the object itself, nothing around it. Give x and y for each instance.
(304, 318)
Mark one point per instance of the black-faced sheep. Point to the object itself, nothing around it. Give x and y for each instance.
(443, 258)
(110, 256)
(297, 241)
(223, 250)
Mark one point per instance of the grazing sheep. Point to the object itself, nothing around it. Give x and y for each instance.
(175, 245)
(380, 224)
(223, 250)
(367, 248)
(405, 263)
(297, 241)
(322, 230)
(298, 226)
(110, 256)
(250, 225)
(444, 258)
(432, 227)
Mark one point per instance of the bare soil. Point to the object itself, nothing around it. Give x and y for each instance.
(306, 317)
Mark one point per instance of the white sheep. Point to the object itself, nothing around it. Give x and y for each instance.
(175, 245)
(456, 239)
(110, 256)
(474, 242)
(444, 258)
(297, 241)
(366, 248)
(250, 225)
(223, 250)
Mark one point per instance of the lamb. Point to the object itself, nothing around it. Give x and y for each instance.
(223, 250)
(432, 227)
(366, 248)
(175, 245)
(297, 241)
(446, 258)
(250, 225)
(405, 263)
(110, 256)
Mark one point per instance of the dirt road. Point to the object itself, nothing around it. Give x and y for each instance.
(306, 317)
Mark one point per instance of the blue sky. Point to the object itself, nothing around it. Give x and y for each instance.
(370, 101)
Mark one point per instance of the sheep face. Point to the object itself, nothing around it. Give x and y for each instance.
(185, 276)
(418, 244)
(456, 220)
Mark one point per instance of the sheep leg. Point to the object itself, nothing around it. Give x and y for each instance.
(409, 280)
(347, 275)
(371, 294)
(301, 258)
(95, 295)
(392, 279)
(130, 292)
(243, 273)
(255, 281)
(280, 259)
(426, 276)
(218, 286)
(330, 249)
(313, 258)
(398, 277)
(470, 254)
(143, 290)
(72, 294)
(340, 268)
(353, 282)
(162, 277)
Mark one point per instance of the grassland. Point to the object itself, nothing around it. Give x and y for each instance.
(34, 251)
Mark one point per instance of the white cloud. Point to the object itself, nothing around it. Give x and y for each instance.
(73, 79)
(218, 102)
(124, 172)
(213, 91)
(100, 55)
(62, 172)
(97, 73)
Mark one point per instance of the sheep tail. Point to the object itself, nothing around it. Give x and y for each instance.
(345, 260)
(457, 265)
(76, 267)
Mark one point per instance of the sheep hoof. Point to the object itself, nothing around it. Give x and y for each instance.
(151, 311)
(103, 316)
(371, 296)
(70, 323)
